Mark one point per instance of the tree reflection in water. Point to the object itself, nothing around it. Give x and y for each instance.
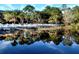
(76, 37)
(44, 36)
(57, 36)
(14, 43)
(67, 42)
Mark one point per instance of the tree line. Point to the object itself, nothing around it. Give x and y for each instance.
(49, 15)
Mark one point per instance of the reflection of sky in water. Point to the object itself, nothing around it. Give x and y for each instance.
(37, 47)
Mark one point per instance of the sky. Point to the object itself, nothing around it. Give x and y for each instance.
(38, 7)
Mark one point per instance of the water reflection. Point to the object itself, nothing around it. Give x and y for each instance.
(60, 38)
(38, 47)
(14, 43)
(31, 36)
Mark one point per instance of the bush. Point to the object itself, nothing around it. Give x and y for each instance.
(55, 39)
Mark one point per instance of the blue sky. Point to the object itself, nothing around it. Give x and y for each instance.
(37, 6)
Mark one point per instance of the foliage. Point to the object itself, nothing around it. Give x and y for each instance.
(56, 14)
(67, 42)
(75, 11)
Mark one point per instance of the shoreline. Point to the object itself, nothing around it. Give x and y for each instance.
(26, 25)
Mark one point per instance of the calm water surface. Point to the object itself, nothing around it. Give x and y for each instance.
(38, 47)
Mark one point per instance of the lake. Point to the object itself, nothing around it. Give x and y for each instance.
(34, 41)
(38, 47)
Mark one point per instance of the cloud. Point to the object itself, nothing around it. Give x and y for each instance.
(4, 44)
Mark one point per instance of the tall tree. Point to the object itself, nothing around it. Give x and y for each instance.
(75, 11)
(55, 13)
(21, 16)
(28, 8)
(68, 16)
